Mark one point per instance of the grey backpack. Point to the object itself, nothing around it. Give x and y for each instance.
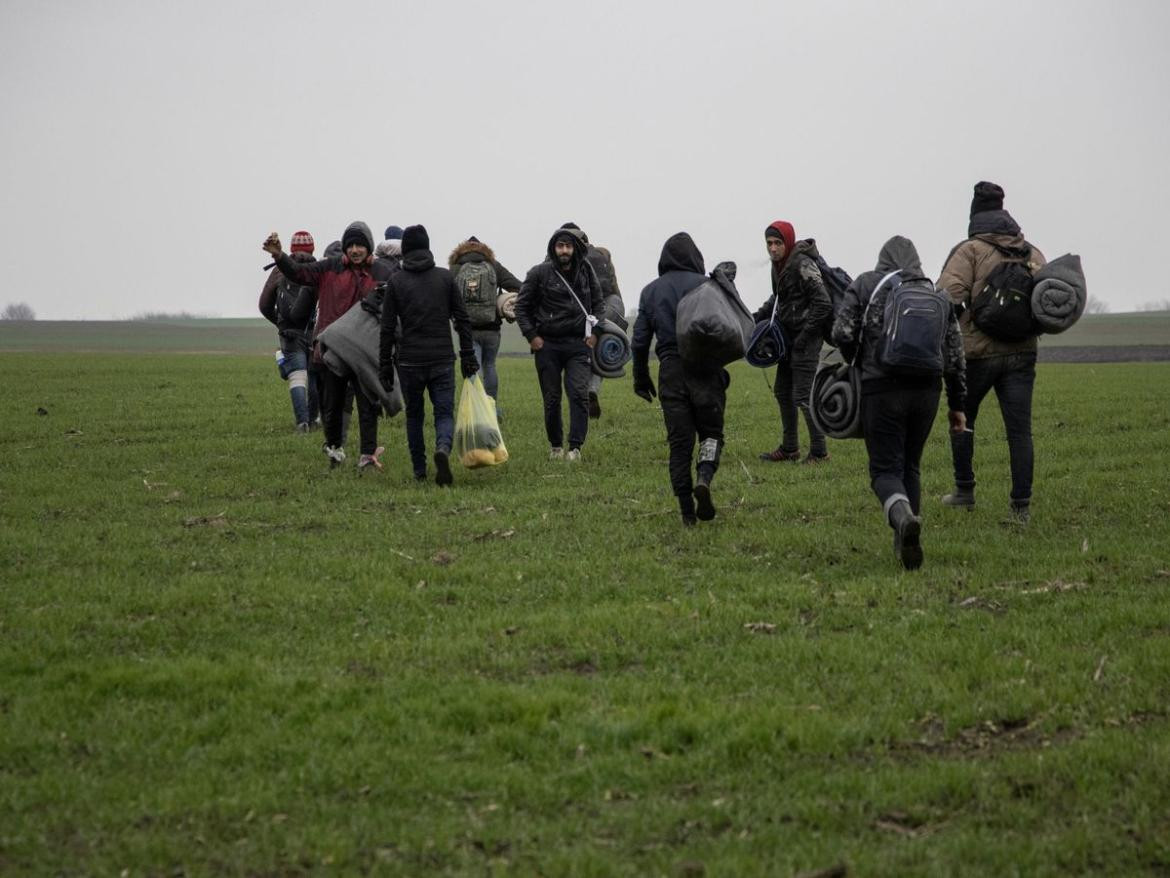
(477, 286)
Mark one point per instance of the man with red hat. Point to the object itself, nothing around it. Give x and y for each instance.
(291, 308)
(802, 306)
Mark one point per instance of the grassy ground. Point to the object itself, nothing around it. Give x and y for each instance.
(257, 335)
(218, 657)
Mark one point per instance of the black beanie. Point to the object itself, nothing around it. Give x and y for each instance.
(354, 235)
(773, 232)
(415, 238)
(988, 196)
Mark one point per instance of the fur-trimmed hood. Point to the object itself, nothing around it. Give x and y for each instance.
(467, 247)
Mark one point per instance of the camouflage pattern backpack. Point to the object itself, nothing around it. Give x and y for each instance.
(477, 285)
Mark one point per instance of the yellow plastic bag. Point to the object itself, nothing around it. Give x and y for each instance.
(477, 430)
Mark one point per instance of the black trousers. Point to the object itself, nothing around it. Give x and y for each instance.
(567, 360)
(692, 406)
(334, 403)
(897, 424)
(793, 389)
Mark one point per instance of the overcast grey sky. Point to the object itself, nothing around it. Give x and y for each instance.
(148, 149)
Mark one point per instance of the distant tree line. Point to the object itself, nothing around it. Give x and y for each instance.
(18, 311)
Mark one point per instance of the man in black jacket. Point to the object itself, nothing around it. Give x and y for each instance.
(558, 310)
(291, 308)
(692, 402)
(897, 409)
(425, 299)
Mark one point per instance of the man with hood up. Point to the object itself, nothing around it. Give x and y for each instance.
(897, 410)
(802, 306)
(290, 308)
(601, 261)
(559, 307)
(427, 302)
(485, 333)
(692, 402)
(1009, 367)
(341, 282)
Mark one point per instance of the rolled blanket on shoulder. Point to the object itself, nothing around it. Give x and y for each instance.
(836, 401)
(1059, 294)
(615, 310)
(611, 352)
(352, 344)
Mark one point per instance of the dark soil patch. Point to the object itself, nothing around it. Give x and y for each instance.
(1105, 354)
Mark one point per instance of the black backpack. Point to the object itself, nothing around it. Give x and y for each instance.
(1003, 308)
(836, 281)
(294, 305)
(914, 326)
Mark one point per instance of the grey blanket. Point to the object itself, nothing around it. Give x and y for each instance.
(836, 400)
(612, 351)
(351, 345)
(1059, 294)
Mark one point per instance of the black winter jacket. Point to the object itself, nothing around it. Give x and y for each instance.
(427, 302)
(849, 330)
(290, 307)
(680, 270)
(804, 303)
(547, 308)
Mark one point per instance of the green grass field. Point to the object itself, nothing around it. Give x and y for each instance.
(217, 657)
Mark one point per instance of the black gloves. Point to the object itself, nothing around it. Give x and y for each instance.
(645, 388)
(468, 364)
(387, 379)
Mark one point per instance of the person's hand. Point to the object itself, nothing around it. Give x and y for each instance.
(271, 244)
(591, 342)
(958, 422)
(644, 388)
(536, 344)
(387, 380)
(468, 365)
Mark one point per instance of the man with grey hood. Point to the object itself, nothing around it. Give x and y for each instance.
(341, 282)
(898, 408)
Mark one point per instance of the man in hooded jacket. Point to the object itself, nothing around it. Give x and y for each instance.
(897, 410)
(290, 308)
(341, 282)
(559, 307)
(426, 300)
(1008, 367)
(802, 306)
(692, 402)
(485, 336)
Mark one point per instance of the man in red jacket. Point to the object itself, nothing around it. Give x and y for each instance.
(341, 282)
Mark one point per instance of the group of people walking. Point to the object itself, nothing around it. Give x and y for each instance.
(562, 301)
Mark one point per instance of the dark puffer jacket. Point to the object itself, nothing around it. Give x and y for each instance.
(339, 284)
(898, 254)
(477, 251)
(427, 301)
(289, 307)
(804, 303)
(680, 270)
(547, 308)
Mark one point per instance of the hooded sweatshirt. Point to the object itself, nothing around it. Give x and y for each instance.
(965, 272)
(546, 307)
(339, 284)
(426, 300)
(680, 270)
(897, 254)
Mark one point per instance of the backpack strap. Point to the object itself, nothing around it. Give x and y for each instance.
(865, 313)
(590, 320)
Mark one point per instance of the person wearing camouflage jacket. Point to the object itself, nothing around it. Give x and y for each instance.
(802, 306)
(1009, 368)
(897, 411)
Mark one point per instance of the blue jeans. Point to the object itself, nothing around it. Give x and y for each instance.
(304, 397)
(487, 347)
(439, 380)
(1012, 377)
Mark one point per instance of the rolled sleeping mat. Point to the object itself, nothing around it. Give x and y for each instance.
(1059, 294)
(835, 401)
(612, 351)
(615, 310)
(767, 346)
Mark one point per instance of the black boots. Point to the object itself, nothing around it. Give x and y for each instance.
(907, 531)
(963, 498)
(704, 508)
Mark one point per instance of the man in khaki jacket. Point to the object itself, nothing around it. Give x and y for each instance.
(1008, 367)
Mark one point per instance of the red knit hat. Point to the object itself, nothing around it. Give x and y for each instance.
(302, 242)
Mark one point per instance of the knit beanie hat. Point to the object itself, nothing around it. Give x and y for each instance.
(988, 196)
(415, 238)
(393, 233)
(357, 233)
(302, 242)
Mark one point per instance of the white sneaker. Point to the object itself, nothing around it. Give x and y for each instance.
(556, 453)
(336, 455)
(574, 455)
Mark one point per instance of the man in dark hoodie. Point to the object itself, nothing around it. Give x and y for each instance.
(558, 310)
(341, 282)
(1008, 367)
(424, 297)
(897, 409)
(474, 263)
(802, 306)
(692, 402)
(290, 307)
(600, 260)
